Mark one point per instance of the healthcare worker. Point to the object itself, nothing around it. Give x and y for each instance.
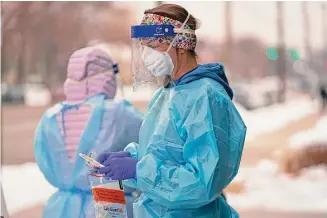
(192, 137)
(89, 121)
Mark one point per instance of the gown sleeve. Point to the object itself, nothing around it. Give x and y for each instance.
(41, 152)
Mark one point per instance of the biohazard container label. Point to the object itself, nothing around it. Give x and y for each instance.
(109, 199)
(108, 195)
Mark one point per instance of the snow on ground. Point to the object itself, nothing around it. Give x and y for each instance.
(268, 119)
(24, 186)
(267, 189)
(314, 136)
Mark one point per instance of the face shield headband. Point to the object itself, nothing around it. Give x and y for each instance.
(159, 29)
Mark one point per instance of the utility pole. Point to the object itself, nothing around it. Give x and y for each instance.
(324, 32)
(228, 32)
(307, 34)
(282, 51)
(324, 23)
(313, 82)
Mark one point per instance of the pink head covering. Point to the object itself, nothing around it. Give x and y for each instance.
(90, 71)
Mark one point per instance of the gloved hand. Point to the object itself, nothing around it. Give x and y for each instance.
(120, 168)
(109, 155)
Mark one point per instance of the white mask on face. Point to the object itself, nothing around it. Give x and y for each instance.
(158, 63)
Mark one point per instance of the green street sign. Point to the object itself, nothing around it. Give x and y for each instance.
(272, 53)
(294, 54)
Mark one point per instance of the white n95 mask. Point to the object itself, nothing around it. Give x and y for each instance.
(158, 63)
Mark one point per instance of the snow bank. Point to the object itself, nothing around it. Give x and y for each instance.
(274, 117)
(265, 188)
(24, 186)
(35, 96)
(311, 137)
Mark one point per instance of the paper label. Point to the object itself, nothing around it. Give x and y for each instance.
(108, 195)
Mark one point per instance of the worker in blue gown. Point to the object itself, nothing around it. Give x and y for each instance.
(192, 137)
(106, 124)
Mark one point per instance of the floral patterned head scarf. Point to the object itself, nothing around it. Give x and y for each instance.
(185, 41)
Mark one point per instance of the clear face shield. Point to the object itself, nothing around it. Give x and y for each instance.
(150, 66)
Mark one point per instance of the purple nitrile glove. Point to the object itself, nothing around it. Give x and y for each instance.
(120, 168)
(109, 155)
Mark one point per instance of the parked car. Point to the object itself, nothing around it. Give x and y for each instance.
(12, 93)
(36, 92)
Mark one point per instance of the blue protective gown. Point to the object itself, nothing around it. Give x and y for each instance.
(112, 125)
(190, 147)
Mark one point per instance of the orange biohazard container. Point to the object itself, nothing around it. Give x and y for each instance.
(108, 197)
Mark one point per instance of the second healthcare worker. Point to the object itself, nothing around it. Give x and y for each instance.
(90, 121)
(192, 137)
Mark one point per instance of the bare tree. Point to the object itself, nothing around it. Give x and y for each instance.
(38, 37)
